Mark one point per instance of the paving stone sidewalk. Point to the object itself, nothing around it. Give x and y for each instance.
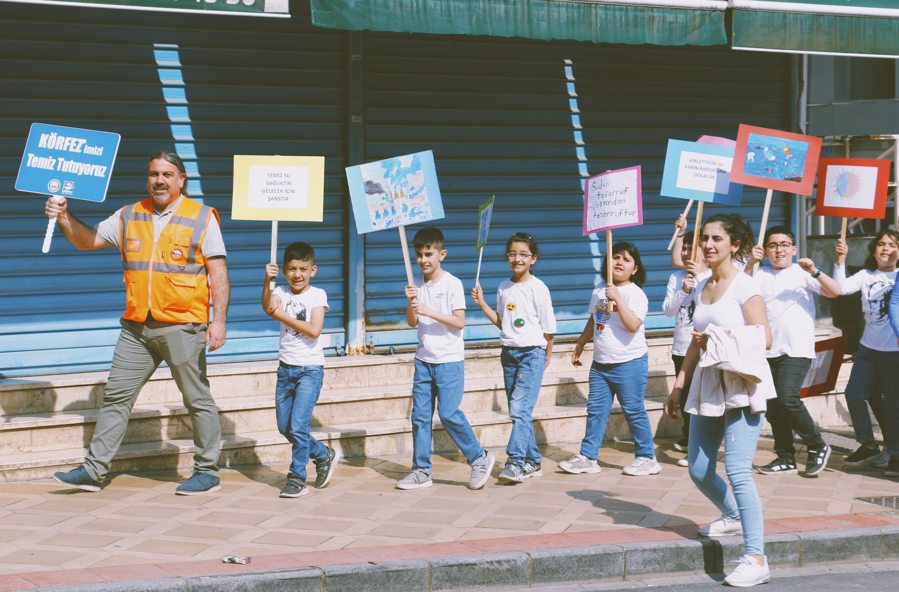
(136, 530)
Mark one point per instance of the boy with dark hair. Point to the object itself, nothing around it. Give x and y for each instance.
(437, 308)
(301, 310)
(787, 288)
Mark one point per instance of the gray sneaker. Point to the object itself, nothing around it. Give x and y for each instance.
(324, 468)
(295, 488)
(579, 464)
(417, 479)
(642, 467)
(480, 471)
(514, 473)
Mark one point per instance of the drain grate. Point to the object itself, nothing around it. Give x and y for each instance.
(887, 501)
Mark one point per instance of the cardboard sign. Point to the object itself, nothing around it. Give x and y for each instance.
(821, 377)
(286, 188)
(68, 161)
(700, 170)
(613, 199)
(485, 213)
(774, 159)
(394, 192)
(852, 187)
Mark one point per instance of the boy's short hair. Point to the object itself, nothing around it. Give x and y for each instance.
(299, 250)
(778, 230)
(429, 236)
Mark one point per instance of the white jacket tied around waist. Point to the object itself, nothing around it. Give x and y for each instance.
(732, 372)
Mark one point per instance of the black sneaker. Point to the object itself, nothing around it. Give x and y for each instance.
(892, 469)
(324, 468)
(295, 487)
(817, 460)
(861, 456)
(779, 466)
(78, 478)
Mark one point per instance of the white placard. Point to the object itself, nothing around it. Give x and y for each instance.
(279, 187)
(709, 173)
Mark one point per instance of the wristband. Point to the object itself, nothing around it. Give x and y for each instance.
(816, 274)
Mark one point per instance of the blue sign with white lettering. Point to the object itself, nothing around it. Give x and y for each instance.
(67, 161)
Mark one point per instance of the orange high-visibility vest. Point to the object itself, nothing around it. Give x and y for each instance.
(167, 277)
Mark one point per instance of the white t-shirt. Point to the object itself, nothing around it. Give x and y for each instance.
(728, 311)
(298, 349)
(876, 287)
(680, 305)
(525, 310)
(612, 342)
(438, 343)
(791, 310)
(213, 244)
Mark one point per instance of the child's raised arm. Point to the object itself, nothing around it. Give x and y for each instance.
(271, 272)
(680, 225)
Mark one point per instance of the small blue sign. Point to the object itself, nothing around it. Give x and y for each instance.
(67, 161)
(698, 170)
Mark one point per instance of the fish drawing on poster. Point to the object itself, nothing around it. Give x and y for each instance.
(612, 200)
(775, 158)
(396, 193)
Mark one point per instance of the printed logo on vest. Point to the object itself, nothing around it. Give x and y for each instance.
(132, 245)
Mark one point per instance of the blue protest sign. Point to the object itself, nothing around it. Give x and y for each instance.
(700, 170)
(67, 161)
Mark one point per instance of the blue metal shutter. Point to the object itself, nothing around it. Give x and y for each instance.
(496, 114)
(252, 86)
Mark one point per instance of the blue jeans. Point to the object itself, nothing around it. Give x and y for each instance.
(627, 380)
(522, 374)
(873, 381)
(445, 383)
(739, 430)
(295, 397)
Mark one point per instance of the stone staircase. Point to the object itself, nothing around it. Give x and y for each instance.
(364, 409)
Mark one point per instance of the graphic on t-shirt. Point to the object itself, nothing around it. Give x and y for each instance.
(519, 323)
(685, 314)
(601, 315)
(878, 300)
(510, 306)
(298, 311)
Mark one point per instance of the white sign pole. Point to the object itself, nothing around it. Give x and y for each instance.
(274, 255)
(686, 213)
(51, 227)
(477, 275)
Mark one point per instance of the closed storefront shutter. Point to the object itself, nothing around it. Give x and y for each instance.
(213, 86)
(497, 114)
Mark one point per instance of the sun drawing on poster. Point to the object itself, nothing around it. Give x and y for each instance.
(845, 184)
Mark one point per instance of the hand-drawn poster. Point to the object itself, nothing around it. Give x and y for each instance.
(485, 213)
(852, 187)
(394, 192)
(700, 170)
(613, 200)
(775, 159)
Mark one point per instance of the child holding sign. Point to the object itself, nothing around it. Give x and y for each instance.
(437, 308)
(525, 317)
(301, 310)
(873, 377)
(620, 364)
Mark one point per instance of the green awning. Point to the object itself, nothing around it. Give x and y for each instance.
(656, 22)
(867, 28)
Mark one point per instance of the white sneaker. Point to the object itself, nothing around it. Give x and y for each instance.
(683, 462)
(749, 573)
(579, 464)
(642, 466)
(723, 526)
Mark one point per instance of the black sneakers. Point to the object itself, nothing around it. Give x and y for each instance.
(324, 468)
(817, 460)
(779, 466)
(862, 455)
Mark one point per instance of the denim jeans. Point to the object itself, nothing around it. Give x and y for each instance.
(787, 413)
(295, 397)
(874, 380)
(627, 381)
(522, 374)
(445, 383)
(739, 430)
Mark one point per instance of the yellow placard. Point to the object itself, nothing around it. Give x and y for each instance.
(286, 188)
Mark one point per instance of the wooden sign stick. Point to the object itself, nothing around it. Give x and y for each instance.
(686, 213)
(697, 230)
(406, 260)
(611, 280)
(764, 226)
(841, 259)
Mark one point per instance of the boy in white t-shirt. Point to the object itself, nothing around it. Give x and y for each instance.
(437, 308)
(788, 290)
(301, 310)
